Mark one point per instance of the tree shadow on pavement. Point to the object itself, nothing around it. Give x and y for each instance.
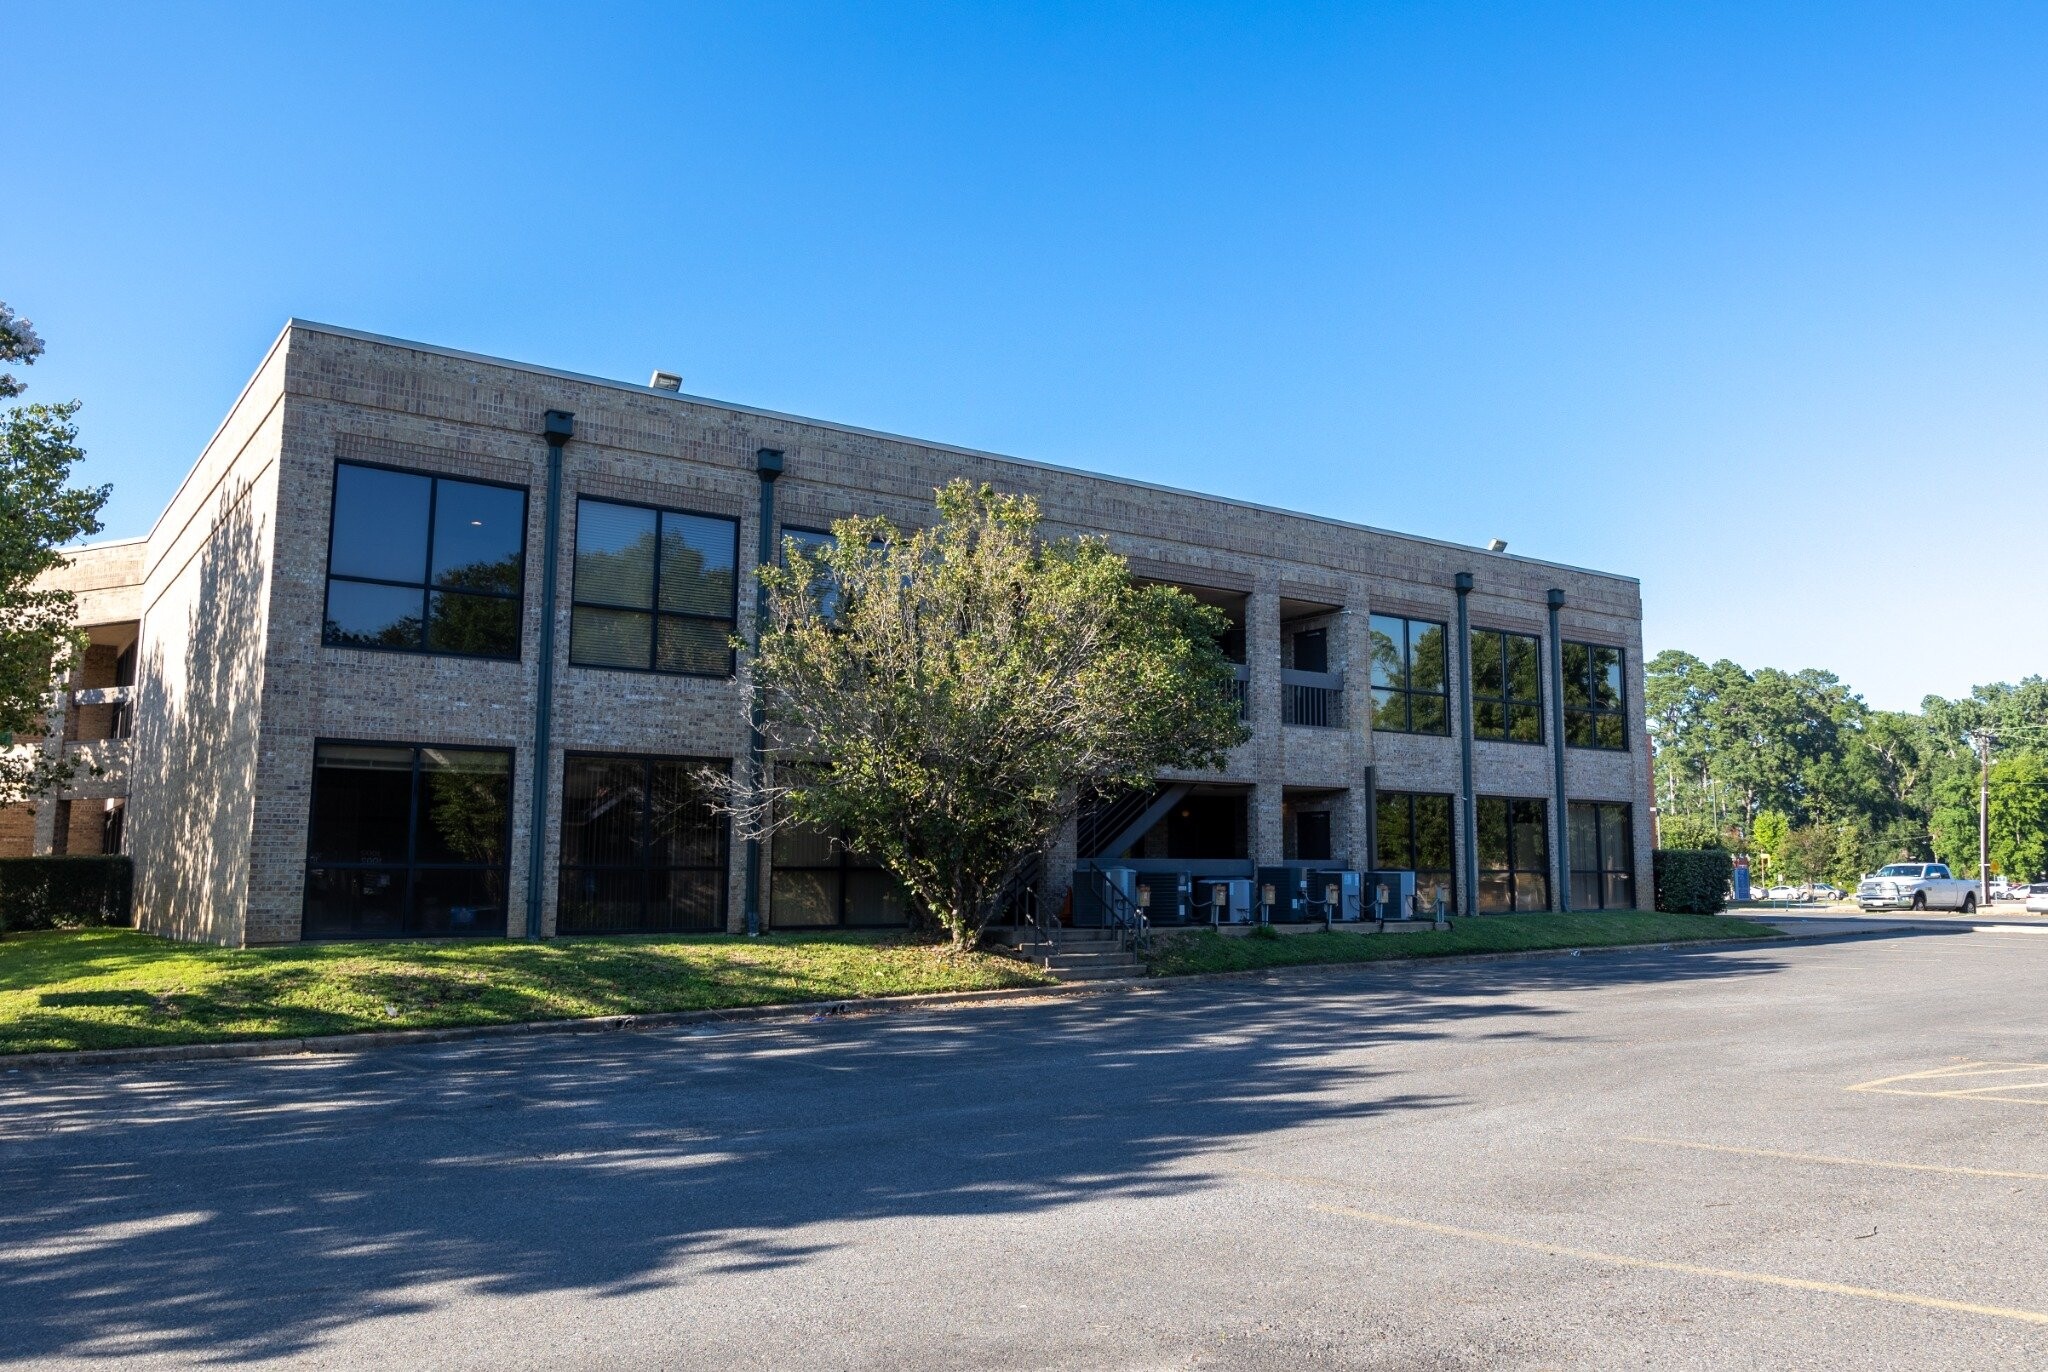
(244, 1210)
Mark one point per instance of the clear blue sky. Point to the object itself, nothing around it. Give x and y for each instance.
(1749, 302)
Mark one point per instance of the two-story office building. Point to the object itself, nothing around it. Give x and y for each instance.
(335, 693)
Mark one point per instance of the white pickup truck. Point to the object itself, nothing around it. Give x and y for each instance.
(1916, 886)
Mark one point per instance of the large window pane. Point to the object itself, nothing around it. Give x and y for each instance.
(1414, 834)
(363, 614)
(380, 524)
(396, 534)
(354, 902)
(473, 625)
(602, 799)
(684, 831)
(610, 638)
(457, 902)
(1389, 651)
(599, 900)
(698, 555)
(1596, 705)
(615, 554)
(1514, 856)
(362, 804)
(803, 899)
(1602, 855)
(1429, 665)
(465, 806)
(698, 647)
(479, 536)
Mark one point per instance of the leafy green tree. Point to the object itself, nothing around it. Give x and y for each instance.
(2017, 815)
(965, 686)
(1767, 841)
(39, 513)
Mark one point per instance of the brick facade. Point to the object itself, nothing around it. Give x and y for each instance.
(234, 686)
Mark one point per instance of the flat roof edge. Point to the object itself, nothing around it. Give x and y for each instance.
(363, 335)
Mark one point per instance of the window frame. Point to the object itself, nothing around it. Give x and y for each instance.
(1513, 871)
(427, 587)
(1505, 699)
(412, 865)
(654, 610)
(1408, 692)
(1600, 873)
(1589, 711)
(1450, 832)
(563, 867)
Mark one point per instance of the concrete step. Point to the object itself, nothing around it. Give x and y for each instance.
(1097, 971)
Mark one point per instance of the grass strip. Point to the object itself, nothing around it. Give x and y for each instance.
(116, 988)
(1205, 951)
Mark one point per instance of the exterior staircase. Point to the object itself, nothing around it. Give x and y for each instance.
(1087, 955)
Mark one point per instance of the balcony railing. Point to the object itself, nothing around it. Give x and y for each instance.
(1241, 687)
(1312, 699)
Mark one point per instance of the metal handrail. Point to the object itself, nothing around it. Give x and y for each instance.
(1134, 932)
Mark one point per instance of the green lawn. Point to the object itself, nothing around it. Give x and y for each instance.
(1182, 954)
(115, 988)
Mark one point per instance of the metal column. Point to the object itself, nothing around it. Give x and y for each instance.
(1562, 817)
(1471, 815)
(558, 427)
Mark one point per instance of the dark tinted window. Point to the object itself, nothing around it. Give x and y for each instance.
(1410, 676)
(1507, 696)
(422, 563)
(642, 849)
(1413, 833)
(1514, 855)
(407, 841)
(655, 589)
(1602, 844)
(1595, 706)
(818, 881)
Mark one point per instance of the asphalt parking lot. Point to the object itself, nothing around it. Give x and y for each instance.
(1806, 1156)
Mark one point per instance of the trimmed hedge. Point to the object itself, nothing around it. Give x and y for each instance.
(1692, 881)
(66, 892)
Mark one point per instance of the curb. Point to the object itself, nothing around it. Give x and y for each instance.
(375, 1041)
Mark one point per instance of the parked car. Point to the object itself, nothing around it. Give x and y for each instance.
(2037, 898)
(1820, 890)
(1916, 886)
(2002, 889)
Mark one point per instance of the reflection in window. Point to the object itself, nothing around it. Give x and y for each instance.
(1595, 710)
(1514, 855)
(643, 852)
(654, 589)
(1410, 676)
(1507, 698)
(1413, 833)
(424, 564)
(407, 841)
(819, 882)
(1603, 856)
(814, 544)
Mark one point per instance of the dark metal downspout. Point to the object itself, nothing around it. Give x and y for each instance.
(1562, 817)
(557, 428)
(767, 466)
(1463, 583)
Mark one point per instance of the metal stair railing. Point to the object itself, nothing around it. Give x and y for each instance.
(1126, 916)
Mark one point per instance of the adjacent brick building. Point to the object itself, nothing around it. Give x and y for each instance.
(313, 693)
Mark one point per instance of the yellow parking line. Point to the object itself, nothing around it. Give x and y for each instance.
(1647, 1264)
(1831, 1288)
(1839, 1162)
(1918, 1083)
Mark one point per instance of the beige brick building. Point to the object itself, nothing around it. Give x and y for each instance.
(313, 697)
